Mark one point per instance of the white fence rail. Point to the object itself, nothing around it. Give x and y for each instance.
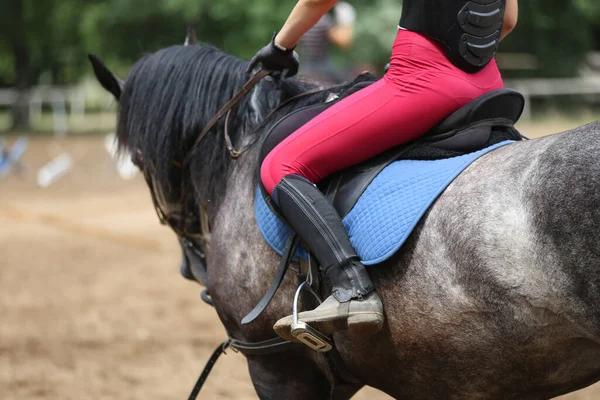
(74, 97)
(553, 87)
(57, 97)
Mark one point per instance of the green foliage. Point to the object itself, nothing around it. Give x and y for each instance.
(128, 28)
(376, 28)
(7, 65)
(555, 32)
(589, 9)
(59, 33)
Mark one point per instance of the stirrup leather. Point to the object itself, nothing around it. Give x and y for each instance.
(305, 333)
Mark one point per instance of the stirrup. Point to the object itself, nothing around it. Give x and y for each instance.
(304, 332)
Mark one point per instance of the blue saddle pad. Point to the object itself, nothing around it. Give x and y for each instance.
(388, 210)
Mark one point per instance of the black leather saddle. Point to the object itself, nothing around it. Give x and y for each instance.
(481, 123)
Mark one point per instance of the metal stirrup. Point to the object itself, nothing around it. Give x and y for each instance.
(304, 332)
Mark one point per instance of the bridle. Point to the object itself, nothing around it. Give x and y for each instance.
(193, 229)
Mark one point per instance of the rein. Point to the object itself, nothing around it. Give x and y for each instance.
(226, 109)
(180, 219)
(270, 346)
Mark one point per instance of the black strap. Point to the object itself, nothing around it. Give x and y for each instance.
(286, 259)
(337, 364)
(270, 346)
(207, 368)
(228, 106)
(205, 296)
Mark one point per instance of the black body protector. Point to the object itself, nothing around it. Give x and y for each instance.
(469, 30)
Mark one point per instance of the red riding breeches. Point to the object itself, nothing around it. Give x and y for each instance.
(421, 88)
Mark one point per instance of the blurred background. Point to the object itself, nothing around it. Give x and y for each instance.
(92, 305)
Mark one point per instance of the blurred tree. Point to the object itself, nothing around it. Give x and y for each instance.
(50, 38)
(15, 40)
(376, 29)
(38, 37)
(556, 32)
(590, 9)
(125, 29)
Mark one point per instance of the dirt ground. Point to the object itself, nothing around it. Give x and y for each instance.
(92, 305)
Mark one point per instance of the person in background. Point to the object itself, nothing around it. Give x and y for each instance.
(315, 47)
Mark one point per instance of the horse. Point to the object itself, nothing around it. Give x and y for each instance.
(495, 295)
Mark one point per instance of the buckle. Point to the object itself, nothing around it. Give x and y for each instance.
(311, 337)
(305, 333)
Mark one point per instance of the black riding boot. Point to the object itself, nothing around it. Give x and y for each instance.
(353, 305)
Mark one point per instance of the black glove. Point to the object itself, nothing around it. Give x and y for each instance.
(275, 59)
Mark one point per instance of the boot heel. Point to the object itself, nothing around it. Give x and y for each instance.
(365, 324)
(366, 317)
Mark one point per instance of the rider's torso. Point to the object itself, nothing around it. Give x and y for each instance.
(469, 30)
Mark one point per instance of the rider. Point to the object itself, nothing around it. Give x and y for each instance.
(442, 58)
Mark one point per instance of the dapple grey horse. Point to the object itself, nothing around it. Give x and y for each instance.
(496, 294)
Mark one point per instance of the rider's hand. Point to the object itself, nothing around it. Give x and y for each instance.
(276, 59)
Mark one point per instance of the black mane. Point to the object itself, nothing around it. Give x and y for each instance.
(168, 98)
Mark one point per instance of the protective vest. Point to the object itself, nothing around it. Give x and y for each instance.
(469, 30)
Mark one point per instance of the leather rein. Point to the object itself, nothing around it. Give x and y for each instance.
(226, 109)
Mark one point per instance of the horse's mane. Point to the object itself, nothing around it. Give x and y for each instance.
(168, 98)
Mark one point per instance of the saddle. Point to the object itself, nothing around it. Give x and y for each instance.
(484, 122)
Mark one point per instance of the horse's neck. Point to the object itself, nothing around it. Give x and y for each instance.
(241, 264)
(233, 220)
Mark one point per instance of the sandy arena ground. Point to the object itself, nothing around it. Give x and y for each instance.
(92, 305)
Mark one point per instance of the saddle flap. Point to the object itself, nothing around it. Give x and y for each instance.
(466, 140)
(288, 125)
(497, 104)
(293, 121)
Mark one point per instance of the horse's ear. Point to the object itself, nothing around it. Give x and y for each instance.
(190, 38)
(107, 79)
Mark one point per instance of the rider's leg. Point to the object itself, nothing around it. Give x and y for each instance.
(320, 227)
(414, 95)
